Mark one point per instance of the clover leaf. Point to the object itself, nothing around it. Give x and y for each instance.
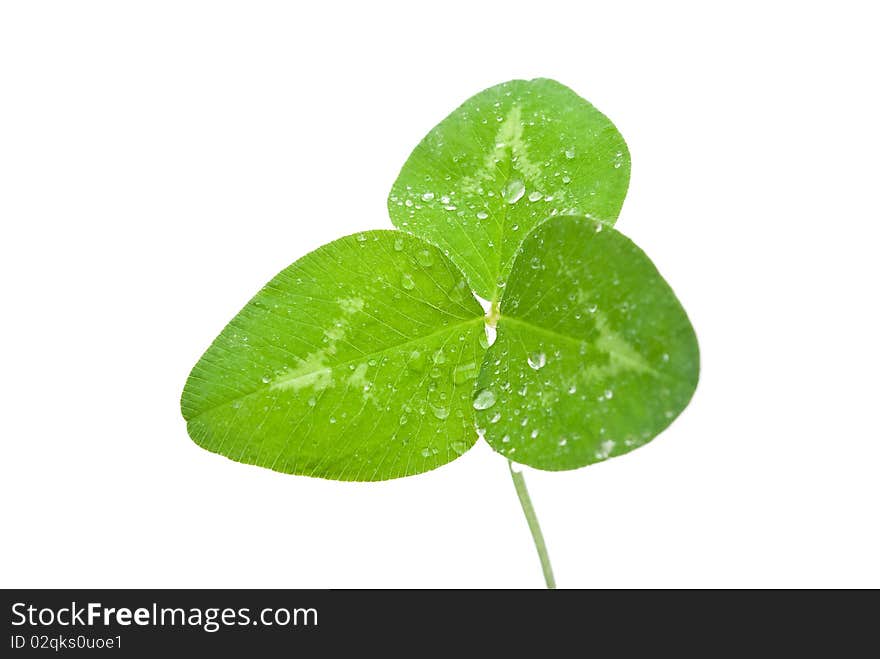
(371, 358)
(357, 362)
(506, 160)
(594, 354)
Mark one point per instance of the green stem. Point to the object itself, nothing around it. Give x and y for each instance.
(519, 482)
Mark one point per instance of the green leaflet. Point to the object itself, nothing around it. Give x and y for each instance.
(594, 355)
(507, 159)
(357, 362)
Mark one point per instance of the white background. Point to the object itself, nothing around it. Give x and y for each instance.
(160, 161)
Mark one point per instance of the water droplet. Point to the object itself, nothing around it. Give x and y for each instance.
(424, 258)
(408, 203)
(563, 441)
(491, 335)
(572, 389)
(535, 195)
(535, 263)
(484, 400)
(312, 401)
(496, 418)
(570, 152)
(440, 412)
(665, 357)
(459, 447)
(482, 215)
(416, 361)
(236, 404)
(332, 419)
(609, 394)
(535, 433)
(403, 420)
(398, 245)
(426, 452)
(566, 179)
(361, 238)
(439, 357)
(598, 227)
(505, 439)
(266, 379)
(513, 191)
(428, 196)
(407, 282)
(537, 360)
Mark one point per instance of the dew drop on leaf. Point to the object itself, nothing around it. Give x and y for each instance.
(440, 412)
(459, 447)
(428, 196)
(407, 282)
(569, 153)
(537, 360)
(426, 452)
(535, 195)
(491, 334)
(484, 399)
(425, 259)
(482, 215)
(398, 245)
(513, 191)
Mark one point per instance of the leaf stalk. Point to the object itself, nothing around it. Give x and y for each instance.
(519, 482)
